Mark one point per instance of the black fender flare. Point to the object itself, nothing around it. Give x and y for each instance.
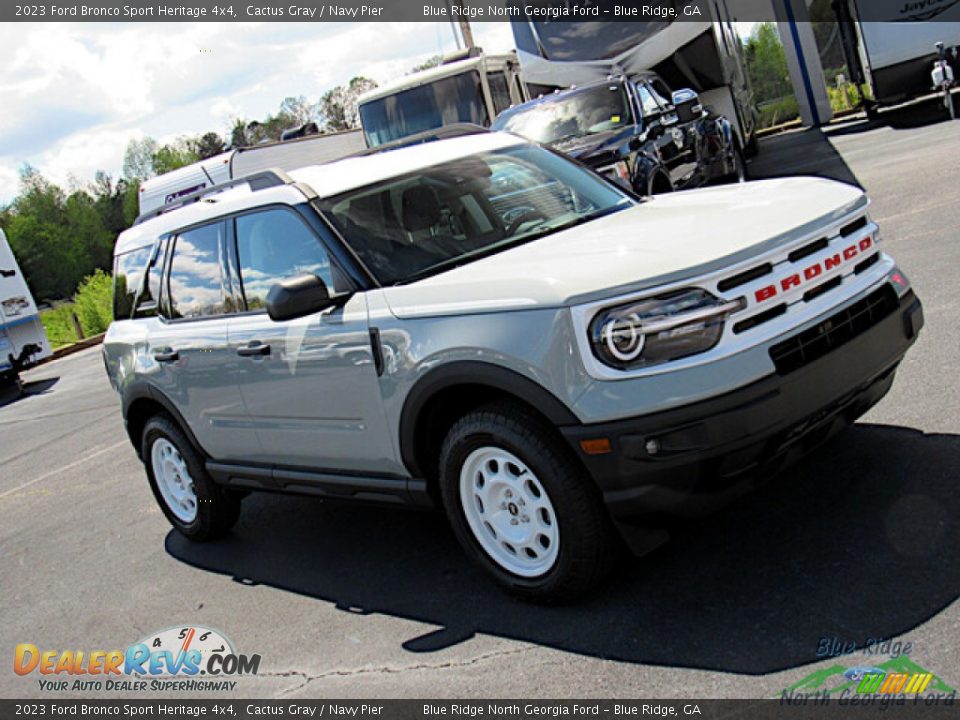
(143, 390)
(472, 372)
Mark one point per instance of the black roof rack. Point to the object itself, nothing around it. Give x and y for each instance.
(441, 133)
(256, 181)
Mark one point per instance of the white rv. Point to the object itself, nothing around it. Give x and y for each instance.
(241, 162)
(700, 53)
(891, 45)
(23, 340)
(469, 87)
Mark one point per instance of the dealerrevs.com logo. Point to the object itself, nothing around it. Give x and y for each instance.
(191, 658)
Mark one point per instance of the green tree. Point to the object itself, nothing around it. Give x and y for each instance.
(338, 106)
(138, 159)
(767, 64)
(431, 62)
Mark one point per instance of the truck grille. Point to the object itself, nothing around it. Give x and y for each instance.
(800, 350)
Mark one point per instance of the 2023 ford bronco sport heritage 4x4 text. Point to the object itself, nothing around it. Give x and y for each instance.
(477, 322)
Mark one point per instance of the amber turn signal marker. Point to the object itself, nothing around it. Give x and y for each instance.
(600, 446)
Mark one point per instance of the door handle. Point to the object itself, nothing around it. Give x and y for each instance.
(253, 349)
(166, 355)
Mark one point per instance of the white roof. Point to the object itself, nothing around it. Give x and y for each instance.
(354, 172)
(327, 180)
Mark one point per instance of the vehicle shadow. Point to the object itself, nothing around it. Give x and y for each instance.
(800, 152)
(857, 542)
(10, 395)
(905, 117)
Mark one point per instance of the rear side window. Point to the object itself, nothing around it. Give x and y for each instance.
(276, 244)
(196, 279)
(128, 272)
(149, 299)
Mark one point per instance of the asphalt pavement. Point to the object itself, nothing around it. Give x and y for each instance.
(858, 542)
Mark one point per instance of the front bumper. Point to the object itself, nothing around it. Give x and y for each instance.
(707, 453)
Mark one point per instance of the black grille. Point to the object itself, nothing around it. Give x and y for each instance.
(812, 344)
(857, 224)
(745, 277)
(806, 250)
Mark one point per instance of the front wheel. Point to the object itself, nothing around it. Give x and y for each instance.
(521, 505)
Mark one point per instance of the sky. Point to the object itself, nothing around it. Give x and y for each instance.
(74, 94)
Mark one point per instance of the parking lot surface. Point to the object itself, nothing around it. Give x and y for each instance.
(858, 542)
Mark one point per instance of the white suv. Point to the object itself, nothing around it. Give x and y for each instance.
(479, 323)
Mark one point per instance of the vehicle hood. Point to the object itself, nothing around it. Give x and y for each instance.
(667, 239)
(589, 146)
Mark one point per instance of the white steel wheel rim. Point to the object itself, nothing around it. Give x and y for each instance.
(509, 512)
(174, 480)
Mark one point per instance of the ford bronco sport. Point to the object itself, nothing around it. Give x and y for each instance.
(481, 324)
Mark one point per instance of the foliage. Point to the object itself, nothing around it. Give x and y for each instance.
(338, 106)
(778, 111)
(767, 64)
(93, 303)
(58, 324)
(431, 62)
(62, 236)
(92, 306)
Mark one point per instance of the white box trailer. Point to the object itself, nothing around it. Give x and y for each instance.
(891, 44)
(467, 87)
(241, 162)
(23, 341)
(702, 53)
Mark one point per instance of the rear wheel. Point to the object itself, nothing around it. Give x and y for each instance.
(738, 164)
(521, 505)
(191, 501)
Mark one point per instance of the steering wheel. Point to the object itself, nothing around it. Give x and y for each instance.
(525, 216)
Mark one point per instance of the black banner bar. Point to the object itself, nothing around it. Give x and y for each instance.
(890, 706)
(443, 11)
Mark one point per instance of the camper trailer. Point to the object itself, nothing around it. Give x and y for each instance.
(468, 87)
(703, 54)
(891, 45)
(167, 189)
(23, 341)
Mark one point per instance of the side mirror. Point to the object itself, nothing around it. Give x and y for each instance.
(298, 296)
(687, 104)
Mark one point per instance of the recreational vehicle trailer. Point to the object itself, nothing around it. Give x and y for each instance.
(891, 45)
(467, 87)
(703, 54)
(241, 162)
(23, 341)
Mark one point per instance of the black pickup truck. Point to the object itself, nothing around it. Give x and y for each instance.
(634, 131)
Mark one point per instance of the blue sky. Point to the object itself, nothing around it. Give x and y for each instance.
(74, 94)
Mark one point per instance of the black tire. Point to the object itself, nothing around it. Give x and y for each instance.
(740, 173)
(588, 549)
(217, 508)
(660, 184)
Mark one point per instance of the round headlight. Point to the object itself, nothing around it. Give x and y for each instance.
(623, 337)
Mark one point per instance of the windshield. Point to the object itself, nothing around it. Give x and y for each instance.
(587, 111)
(420, 224)
(448, 100)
